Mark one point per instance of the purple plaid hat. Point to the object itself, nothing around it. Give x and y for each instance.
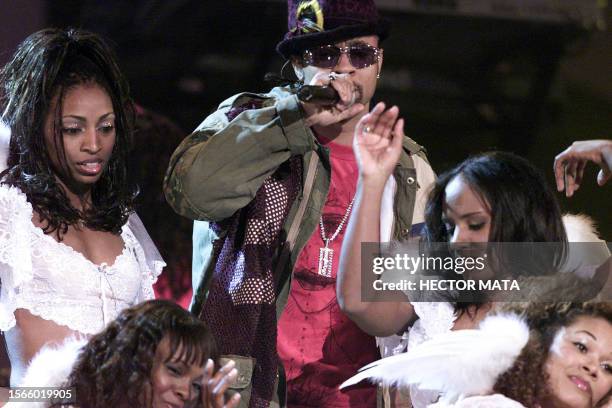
(319, 22)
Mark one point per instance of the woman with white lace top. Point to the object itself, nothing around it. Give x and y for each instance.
(73, 254)
(494, 197)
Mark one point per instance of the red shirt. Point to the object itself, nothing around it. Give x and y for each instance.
(318, 345)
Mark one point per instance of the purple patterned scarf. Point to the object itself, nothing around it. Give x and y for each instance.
(240, 308)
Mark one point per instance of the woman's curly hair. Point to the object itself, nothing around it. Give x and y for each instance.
(523, 381)
(44, 68)
(114, 367)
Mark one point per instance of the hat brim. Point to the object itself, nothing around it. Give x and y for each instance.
(296, 45)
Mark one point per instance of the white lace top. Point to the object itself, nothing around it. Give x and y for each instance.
(55, 282)
(435, 318)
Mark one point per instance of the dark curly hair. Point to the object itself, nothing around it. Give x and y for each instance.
(523, 381)
(114, 368)
(522, 205)
(46, 65)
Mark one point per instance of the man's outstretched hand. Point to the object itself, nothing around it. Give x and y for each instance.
(570, 164)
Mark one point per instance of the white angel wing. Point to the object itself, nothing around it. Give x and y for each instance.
(457, 363)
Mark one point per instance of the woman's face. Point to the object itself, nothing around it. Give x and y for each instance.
(87, 124)
(579, 365)
(466, 215)
(175, 383)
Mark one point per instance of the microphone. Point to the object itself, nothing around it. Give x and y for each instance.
(319, 95)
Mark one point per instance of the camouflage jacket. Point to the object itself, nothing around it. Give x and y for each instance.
(219, 168)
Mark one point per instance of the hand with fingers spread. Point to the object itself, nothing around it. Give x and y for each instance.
(570, 164)
(349, 105)
(215, 386)
(378, 143)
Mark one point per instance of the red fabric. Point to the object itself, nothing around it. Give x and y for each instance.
(162, 291)
(318, 345)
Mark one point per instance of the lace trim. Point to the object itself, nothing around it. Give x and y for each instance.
(70, 251)
(79, 325)
(23, 245)
(149, 275)
(435, 318)
(15, 253)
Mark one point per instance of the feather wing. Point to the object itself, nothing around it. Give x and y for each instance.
(457, 363)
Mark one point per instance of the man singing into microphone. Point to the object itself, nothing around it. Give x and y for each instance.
(271, 180)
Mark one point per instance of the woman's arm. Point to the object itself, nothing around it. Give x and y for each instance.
(377, 145)
(28, 336)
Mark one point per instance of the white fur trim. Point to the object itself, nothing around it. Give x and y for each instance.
(583, 259)
(52, 365)
(580, 228)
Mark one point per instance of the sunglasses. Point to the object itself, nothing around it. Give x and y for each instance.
(327, 56)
